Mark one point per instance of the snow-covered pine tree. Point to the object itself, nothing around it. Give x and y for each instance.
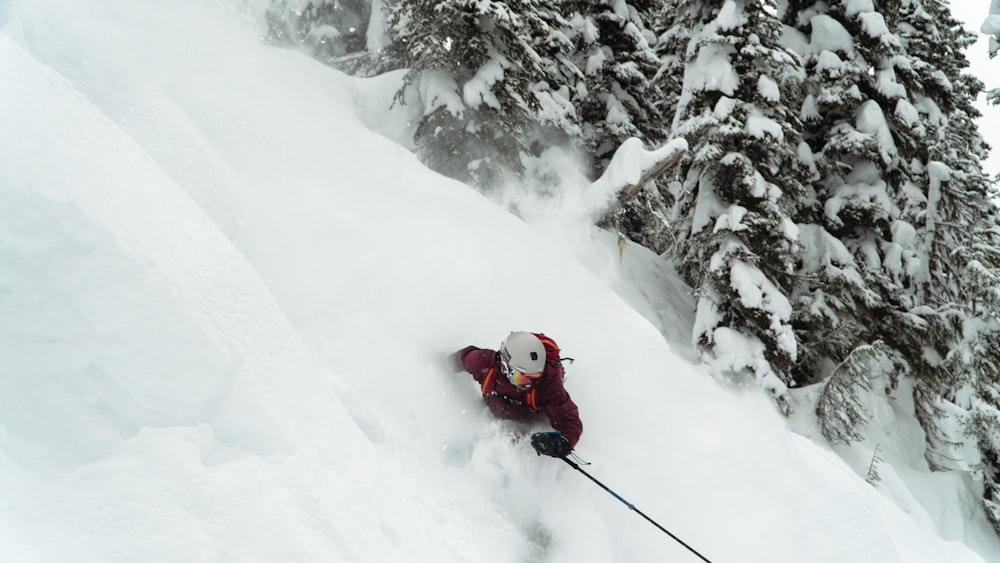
(981, 425)
(851, 298)
(743, 179)
(982, 421)
(978, 365)
(480, 80)
(889, 123)
(954, 205)
(615, 98)
(948, 199)
(855, 262)
(332, 30)
(673, 30)
(557, 121)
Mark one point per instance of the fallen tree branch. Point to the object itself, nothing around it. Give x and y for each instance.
(652, 173)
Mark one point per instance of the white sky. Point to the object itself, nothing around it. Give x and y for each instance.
(973, 12)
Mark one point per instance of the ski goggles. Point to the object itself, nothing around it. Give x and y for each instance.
(521, 379)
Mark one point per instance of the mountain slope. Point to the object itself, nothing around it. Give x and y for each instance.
(227, 304)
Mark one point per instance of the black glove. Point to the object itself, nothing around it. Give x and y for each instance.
(550, 443)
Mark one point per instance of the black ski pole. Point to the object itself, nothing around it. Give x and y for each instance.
(633, 508)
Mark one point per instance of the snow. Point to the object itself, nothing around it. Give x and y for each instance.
(626, 168)
(621, 8)
(810, 108)
(887, 84)
(907, 113)
(929, 107)
(863, 183)
(712, 71)
(806, 156)
(829, 62)
(873, 24)
(768, 89)
(438, 88)
(757, 292)
(731, 220)
(871, 120)
(856, 7)
(903, 233)
(324, 33)
(730, 17)
(616, 116)
(991, 25)
(479, 89)
(759, 125)
(828, 35)
(707, 205)
(937, 173)
(822, 249)
(595, 62)
(224, 311)
(375, 37)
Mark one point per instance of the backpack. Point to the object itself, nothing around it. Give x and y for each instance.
(553, 362)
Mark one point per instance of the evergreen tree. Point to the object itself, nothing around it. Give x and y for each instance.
(975, 361)
(889, 116)
(557, 121)
(979, 368)
(614, 97)
(956, 201)
(857, 261)
(477, 73)
(673, 31)
(948, 199)
(330, 29)
(740, 186)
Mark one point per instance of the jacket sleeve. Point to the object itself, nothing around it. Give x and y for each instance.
(564, 415)
(476, 361)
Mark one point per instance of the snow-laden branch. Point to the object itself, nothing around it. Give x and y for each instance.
(991, 26)
(631, 169)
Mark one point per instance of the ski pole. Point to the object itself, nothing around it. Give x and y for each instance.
(633, 508)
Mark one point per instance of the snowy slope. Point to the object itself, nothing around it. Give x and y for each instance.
(225, 305)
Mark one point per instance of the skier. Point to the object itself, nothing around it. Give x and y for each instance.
(517, 383)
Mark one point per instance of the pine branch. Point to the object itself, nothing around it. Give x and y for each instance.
(651, 174)
(873, 476)
(840, 409)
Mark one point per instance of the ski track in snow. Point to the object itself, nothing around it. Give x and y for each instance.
(226, 307)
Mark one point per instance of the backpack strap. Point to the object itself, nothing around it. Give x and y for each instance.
(531, 399)
(487, 386)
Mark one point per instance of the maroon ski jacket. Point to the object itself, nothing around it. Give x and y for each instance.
(507, 401)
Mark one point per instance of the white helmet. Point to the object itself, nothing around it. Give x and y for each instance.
(522, 352)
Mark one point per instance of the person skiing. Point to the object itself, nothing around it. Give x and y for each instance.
(517, 383)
